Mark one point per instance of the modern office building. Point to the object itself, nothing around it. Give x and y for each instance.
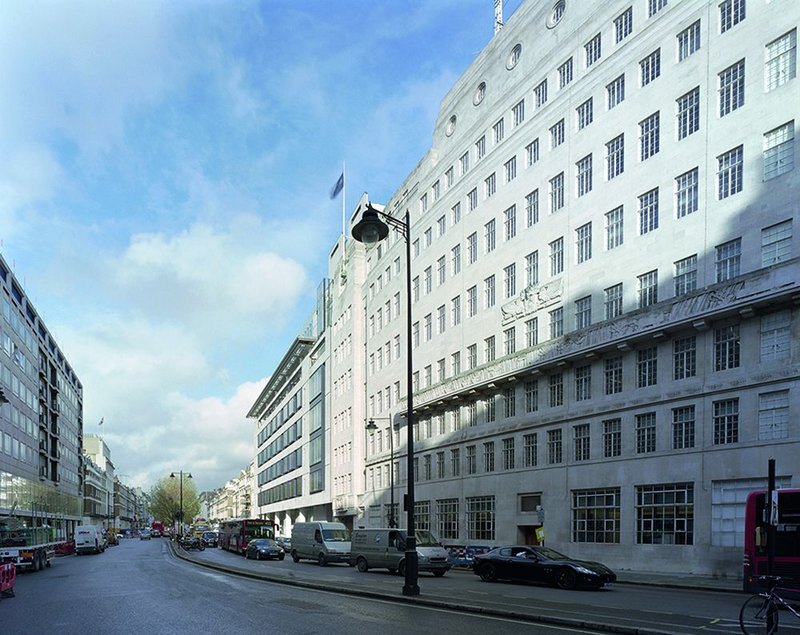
(605, 286)
(41, 418)
(99, 503)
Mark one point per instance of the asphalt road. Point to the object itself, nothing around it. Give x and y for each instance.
(140, 587)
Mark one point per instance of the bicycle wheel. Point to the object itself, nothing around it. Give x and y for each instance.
(759, 616)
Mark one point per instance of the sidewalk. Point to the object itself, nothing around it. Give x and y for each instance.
(679, 581)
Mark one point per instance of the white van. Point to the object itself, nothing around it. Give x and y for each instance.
(385, 548)
(321, 541)
(89, 539)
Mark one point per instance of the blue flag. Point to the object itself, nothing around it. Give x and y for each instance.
(338, 187)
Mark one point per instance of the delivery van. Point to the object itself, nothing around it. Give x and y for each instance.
(89, 539)
(385, 549)
(321, 541)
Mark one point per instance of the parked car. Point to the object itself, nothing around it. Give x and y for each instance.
(285, 542)
(264, 548)
(210, 538)
(540, 564)
(144, 534)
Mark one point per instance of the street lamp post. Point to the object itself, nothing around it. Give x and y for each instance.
(370, 230)
(372, 427)
(188, 475)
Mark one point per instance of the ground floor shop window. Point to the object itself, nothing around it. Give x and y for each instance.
(480, 518)
(595, 515)
(665, 514)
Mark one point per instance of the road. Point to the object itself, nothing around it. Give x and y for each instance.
(141, 587)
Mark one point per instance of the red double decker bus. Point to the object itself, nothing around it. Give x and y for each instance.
(786, 561)
(235, 534)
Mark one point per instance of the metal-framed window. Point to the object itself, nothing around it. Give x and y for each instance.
(615, 92)
(557, 135)
(555, 449)
(472, 357)
(518, 112)
(531, 332)
(489, 237)
(531, 395)
(583, 312)
(455, 260)
(510, 280)
(490, 185)
(648, 288)
(613, 301)
(727, 262)
(688, 113)
(730, 169)
(472, 248)
(593, 49)
(726, 421)
(510, 169)
(540, 93)
(555, 384)
(726, 347)
(584, 175)
(480, 148)
(780, 60)
(447, 512)
(510, 395)
(463, 163)
(510, 222)
(779, 151)
(686, 193)
(532, 208)
(731, 88)
(530, 447)
(472, 301)
(623, 25)
(596, 515)
(565, 73)
(557, 256)
(472, 199)
(612, 437)
(689, 41)
(731, 12)
(654, 6)
(665, 514)
(684, 357)
(489, 292)
(612, 373)
(649, 136)
(614, 228)
(648, 211)
(556, 323)
(647, 367)
(615, 157)
(532, 268)
(532, 152)
(776, 243)
(582, 442)
(775, 336)
(650, 67)
(509, 458)
(471, 459)
(583, 382)
(683, 425)
(556, 192)
(773, 415)
(645, 433)
(481, 518)
(685, 278)
(489, 350)
(488, 455)
(585, 113)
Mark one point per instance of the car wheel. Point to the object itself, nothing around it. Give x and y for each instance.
(439, 574)
(361, 565)
(488, 572)
(401, 568)
(282, 556)
(295, 557)
(566, 579)
(321, 560)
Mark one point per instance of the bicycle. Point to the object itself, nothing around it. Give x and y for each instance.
(759, 613)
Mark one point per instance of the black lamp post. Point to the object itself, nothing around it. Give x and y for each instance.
(372, 428)
(370, 230)
(188, 475)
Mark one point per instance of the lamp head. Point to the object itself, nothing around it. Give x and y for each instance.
(371, 425)
(370, 229)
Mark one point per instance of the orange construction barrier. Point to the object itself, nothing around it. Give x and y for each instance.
(8, 575)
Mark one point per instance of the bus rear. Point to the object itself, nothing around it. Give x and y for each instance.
(786, 561)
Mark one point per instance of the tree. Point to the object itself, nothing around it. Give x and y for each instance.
(165, 499)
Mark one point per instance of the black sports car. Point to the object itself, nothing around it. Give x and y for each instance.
(264, 548)
(540, 564)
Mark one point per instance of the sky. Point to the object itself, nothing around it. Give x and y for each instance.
(165, 178)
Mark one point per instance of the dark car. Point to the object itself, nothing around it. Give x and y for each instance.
(264, 548)
(285, 542)
(540, 564)
(144, 534)
(210, 538)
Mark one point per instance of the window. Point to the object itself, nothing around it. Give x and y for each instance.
(731, 88)
(654, 6)
(665, 514)
(531, 395)
(556, 323)
(613, 301)
(532, 208)
(593, 50)
(530, 450)
(583, 242)
(585, 113)
(688, 41)
(554, 447)
(557, 134)
(472, 356)
(489, 349)
(584, 176)
(596, 515)
(557, 192)
(480, 148)
(775, 336)
(683, 428)
(532, 152)
(647, 367)
(565, 73)
(510, 343)
(684, 357)
(685, 275)
(518, 112)
(488, 456)
(441, 226)
(423, 203)
(583, 383)
(472, 248)
(581, 438)
(463, 163)
(726, 347)
(557, 256)
(540, 94)
(471, 456)
(650, 67)
(614, 233)
(455, 214)
(480, 518)
(510, 222)
(531, 332)
(648, 211)
(646, 433)
(428, 277)
(436, 190)
(612, 437)
(616, 91)
(510, 169)
(779, 151)
(612, 373)
(688, 113)
(449, 177)
(455, 366)
(498, 131)
(508, 454)
(489, 292)
(489, 238)
(441, 319)
(556, 389)
(729, 172)
(623, 25)
(472, 301)
(510, 280)
(649, 138)
(489, 185)
(780, 63)
(773, 415)
(776, 243)
(648, 288)
(441, 270)
(731, 12)
(728, 259)
(447, 514)
(426, 467)
(615, 157)
(726, 421)
(455, 310)
(686, 201)
(532, 269)
(455, 260)
(428, 327)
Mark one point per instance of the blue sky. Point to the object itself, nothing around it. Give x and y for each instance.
(164, 178)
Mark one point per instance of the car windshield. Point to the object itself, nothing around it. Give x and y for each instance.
(263, 542)
(258, 530)
(336, 535)
(550, 554)
(209, 534)
(426, 539)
